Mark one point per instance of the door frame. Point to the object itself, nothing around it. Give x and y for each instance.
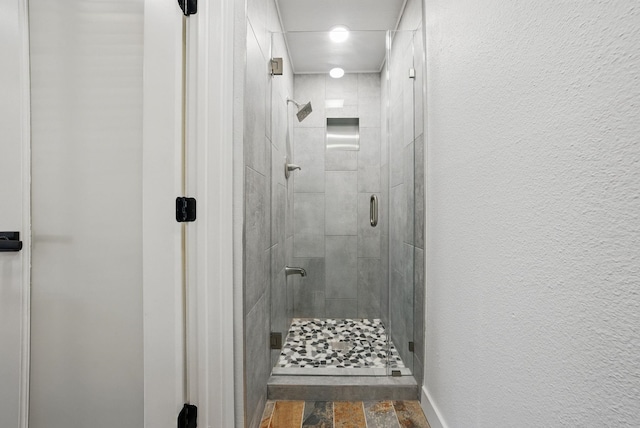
(212, 277)
(25, 115)
(210, 179)
(210, 246)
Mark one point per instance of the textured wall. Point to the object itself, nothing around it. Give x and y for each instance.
(534, 213)
(333, 239)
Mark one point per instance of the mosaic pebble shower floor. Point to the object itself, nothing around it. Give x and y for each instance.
(338, 343)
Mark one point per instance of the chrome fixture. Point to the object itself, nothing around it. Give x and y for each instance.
(295, 271)
(289, 167)
(373, 210)
(276, 66)
(343, 133)
(303, 110)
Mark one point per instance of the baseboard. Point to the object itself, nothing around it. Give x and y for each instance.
(431, 411)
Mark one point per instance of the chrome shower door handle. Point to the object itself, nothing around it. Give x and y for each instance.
(373, 210)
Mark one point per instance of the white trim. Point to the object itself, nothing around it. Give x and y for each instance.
(239, 59)
(426, 400)
(25, 115)
(431, 411)
(210, 117)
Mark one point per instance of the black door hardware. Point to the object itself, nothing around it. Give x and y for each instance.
(188, 417)
(189, 7)
(10, 241)
(185, 209)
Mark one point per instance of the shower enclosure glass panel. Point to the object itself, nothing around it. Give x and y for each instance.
(339, 318)
(399, 191)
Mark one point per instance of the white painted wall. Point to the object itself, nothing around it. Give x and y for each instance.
(534, 213)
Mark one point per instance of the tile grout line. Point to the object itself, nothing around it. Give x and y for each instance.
(364, 413)
(304, 406)
(333, 413)
(271, 415)
(395, 413)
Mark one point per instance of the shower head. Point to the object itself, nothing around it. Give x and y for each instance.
(303, 110)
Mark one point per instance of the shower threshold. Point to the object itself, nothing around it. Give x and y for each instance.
(339, 347)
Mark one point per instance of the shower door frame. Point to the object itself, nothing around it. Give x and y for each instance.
(408, 368)
(213, 275)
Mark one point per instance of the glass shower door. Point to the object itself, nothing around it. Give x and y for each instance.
(402, 166)
(356, 158)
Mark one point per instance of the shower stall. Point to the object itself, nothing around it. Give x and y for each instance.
(350, 217)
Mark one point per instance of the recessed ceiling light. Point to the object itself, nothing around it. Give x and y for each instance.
(339, 34)
(336, 73)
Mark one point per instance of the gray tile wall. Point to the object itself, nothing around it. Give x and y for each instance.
(268, 201)
(406, 194)
(333, 239)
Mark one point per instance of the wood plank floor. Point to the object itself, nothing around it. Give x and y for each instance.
(343, 414)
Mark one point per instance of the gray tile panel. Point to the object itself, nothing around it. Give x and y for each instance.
(341, 267)
(341, 182)
(309, 292)
(419, 300)
(419, 201)
(345, 88)
(257, 355)
(308, 154)
(369, 112)
(408, 182)
(342, 308)
(255, 155)
(369, 288)
(341, 214)
(256, 255)
(341, 160)
(369, 85)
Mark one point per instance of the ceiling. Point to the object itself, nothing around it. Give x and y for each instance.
(307, 23)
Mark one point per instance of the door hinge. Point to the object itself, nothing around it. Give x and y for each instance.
(10, 241)
(185, 209)
(276, 66)
(188, 416)
(412, 346)
(412, 73)
(189, 7)
(275, 340)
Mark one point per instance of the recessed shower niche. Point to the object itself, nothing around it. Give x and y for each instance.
(343, 133)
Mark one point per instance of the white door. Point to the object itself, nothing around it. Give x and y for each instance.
(106, 307)
(14, 199)
(104, 239)
(93, 215)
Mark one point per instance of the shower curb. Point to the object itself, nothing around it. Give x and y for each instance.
(344, 388)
